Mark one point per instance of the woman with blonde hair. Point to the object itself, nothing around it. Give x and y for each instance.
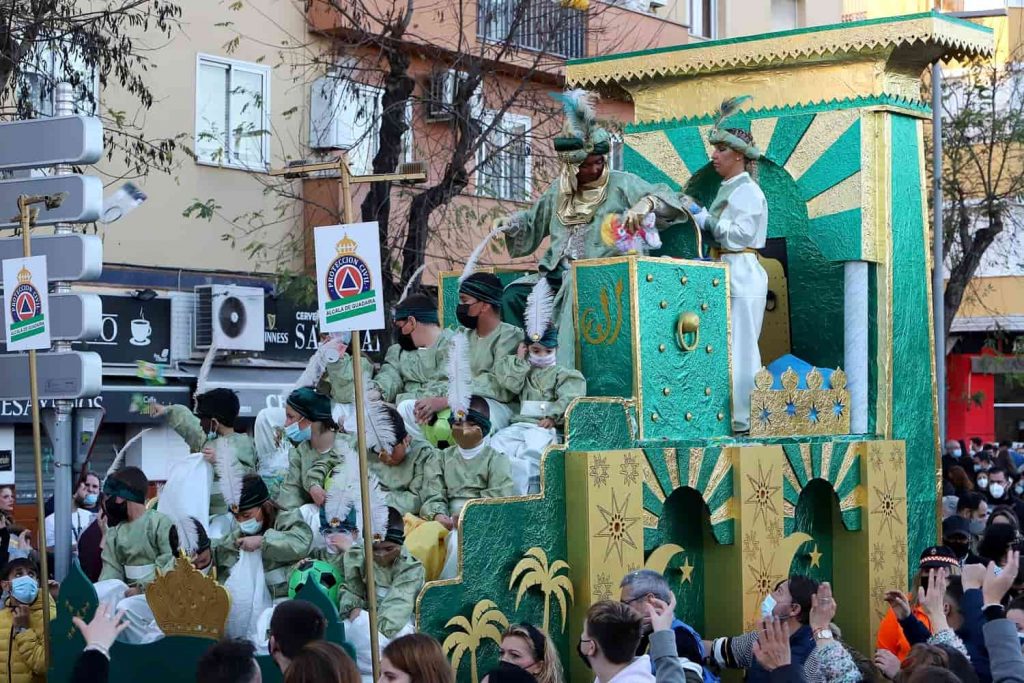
(531, 649)
(415, 658)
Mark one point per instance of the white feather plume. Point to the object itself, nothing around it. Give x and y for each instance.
(412, 281)
(539, 306)
(475, 255)
(188, 537)
(229, 473)
(340, 499)
(314, 369)
(459, 376)
(204, 370)
(345, 494)
(119, 455)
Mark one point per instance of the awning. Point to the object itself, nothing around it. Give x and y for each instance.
(989, 323)
(257, 387)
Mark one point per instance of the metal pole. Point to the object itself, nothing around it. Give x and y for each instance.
(26, 241)
(61, 435)
(938, 257)
(364, 478)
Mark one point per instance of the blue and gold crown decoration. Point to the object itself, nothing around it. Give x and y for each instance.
(815, 410)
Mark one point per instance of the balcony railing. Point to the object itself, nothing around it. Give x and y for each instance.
(537, 25)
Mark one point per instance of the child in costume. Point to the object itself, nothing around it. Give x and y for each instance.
(22, 620)
(336, 378)
(398, 577)
(544, 389)
(281, 536)
(310, 425)
(471, 468)
(210, 430)
(416, 366)
(137, 540)
(401, 467)
(738, 221)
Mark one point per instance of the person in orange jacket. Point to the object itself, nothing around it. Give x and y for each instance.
(890, 633)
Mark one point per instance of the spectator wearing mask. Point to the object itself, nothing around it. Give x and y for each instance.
(957, 536)
(974, 508)
(229, 661)
(81, 515)
(415, 658)
(951, 455)
(294, 624)
(322, 662)
(529, 648)
(791, 602)
(999, 491)
(611, 636)
(637, 589)
(890, 633)
(1003, 459)
(975, 445)
(1002, 639)
(22, 620)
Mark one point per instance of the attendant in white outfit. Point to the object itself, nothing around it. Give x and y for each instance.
(738, 222)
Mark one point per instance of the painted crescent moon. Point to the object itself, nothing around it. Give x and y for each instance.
(662, 555)
(786, 551)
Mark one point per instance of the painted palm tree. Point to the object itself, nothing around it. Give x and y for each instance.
(533, 570)
(482, 625)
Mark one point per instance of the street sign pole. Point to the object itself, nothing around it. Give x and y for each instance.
(25, 211)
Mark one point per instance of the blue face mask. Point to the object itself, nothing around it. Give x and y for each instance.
(251, 526)
(90, 499)
(25, 589)
(297, 434)
(768, 606)
(957, 452)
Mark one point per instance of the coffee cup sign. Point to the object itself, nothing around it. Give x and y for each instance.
(141, 330)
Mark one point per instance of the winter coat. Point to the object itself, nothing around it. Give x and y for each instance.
(22, 658)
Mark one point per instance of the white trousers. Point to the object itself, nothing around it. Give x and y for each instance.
(357, 632)
(501, 414)
(142, 626)
(748, 290)
(524, 443)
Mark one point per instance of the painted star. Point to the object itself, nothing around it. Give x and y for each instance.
(599, 471)
(617, 526)
(687, 570)
(815, 557)
(888, 507)
(762, 494)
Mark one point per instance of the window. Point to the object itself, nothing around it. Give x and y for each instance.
(702, 18)
(346, 114)
(47, 64)
(232, 104)
(504, 168)
(785, 14)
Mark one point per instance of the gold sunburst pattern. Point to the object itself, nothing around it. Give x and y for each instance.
(762, 494)
(618, 526)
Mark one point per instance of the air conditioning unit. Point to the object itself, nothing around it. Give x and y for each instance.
(229, 317)
(443, 88)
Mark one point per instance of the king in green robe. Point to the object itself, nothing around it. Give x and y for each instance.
(572, 213)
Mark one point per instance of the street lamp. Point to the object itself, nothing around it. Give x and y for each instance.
(938, 253)
(415, 172)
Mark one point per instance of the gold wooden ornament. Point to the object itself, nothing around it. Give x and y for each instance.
(534, 570)
(486, 623)
(187, 603)
(791, 411)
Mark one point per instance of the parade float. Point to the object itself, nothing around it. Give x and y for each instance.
(838, 477)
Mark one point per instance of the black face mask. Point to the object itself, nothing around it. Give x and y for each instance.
(579, 651)
(405, 342)
(961, 548)
(468, 321)
(116, 512)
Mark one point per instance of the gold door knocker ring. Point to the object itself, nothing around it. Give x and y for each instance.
(688, 323)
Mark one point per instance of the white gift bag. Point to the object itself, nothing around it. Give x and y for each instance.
(187, 491)
(249, 594)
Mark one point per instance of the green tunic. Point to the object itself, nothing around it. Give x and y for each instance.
(403, 483)
(555, 386)
(186, 424)
(458, 480)
(339, 376)
(569, 243)
(133, 551)
(284, 545)
(397, 588)
(484, 352)
(415, 374)
(306, 468)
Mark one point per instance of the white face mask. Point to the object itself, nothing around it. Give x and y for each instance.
(539, 361)
(997, 490)
(982, 482)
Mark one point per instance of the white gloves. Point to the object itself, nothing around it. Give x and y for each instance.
(700, 214)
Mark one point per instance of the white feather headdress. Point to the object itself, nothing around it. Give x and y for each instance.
(188, 536)
(412, 281)
(230, 474)
(344, 495)
(460, 377)
(119, 455)
(539, 306)
(204, 370)
(380, 431)
(475, 255)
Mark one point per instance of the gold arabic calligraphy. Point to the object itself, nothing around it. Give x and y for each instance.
(597, 331)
